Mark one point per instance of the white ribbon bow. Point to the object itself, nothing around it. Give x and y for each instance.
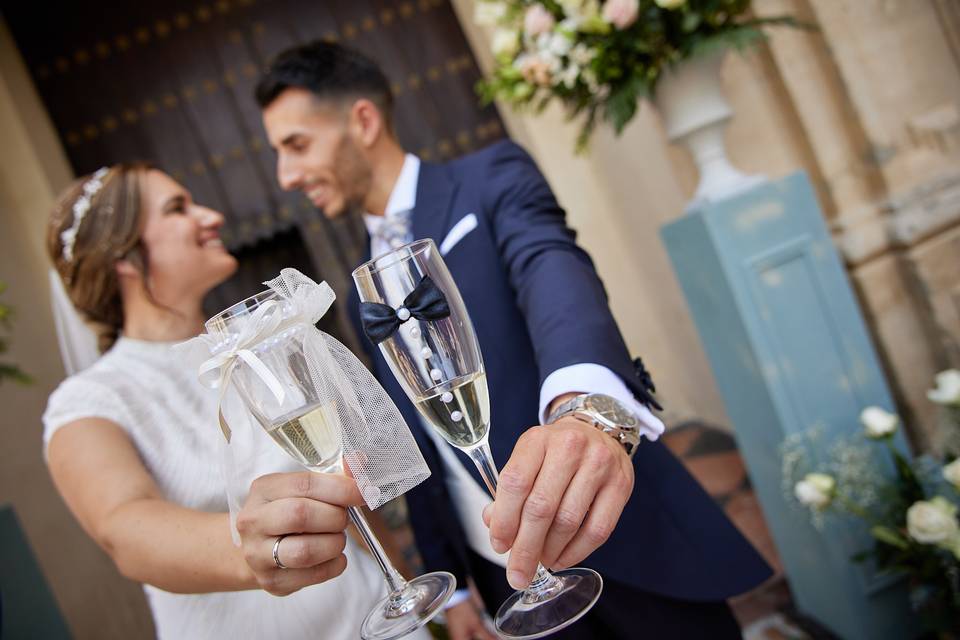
(306, 302)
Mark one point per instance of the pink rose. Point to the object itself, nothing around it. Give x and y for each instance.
(621, 13)
(535, 70)
(537, 20)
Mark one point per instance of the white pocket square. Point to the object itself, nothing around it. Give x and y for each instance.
(465, 225)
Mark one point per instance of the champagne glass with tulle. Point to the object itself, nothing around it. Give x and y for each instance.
(309, 425)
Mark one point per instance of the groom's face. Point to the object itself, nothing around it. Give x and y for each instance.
(316, 151)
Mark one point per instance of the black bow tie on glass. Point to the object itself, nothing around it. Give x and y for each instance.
(425, 302)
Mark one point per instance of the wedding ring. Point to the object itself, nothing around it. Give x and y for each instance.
(276, 552)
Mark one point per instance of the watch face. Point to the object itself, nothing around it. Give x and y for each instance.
(612, 410)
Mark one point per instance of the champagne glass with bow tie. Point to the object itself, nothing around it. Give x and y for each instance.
(411, 307)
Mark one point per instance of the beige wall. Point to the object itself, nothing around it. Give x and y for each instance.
(96, 601)
(869, 107)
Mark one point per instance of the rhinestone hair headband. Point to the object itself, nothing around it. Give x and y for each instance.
(69, 237)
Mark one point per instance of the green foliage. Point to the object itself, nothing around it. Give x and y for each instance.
(9, 371)
(598, 70)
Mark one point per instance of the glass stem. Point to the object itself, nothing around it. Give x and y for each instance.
(543, 582)
(393, 578)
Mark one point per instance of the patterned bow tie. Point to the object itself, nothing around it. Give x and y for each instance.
(425, 302)
(394, 229)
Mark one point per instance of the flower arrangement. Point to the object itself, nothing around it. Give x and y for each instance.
(911, 512)
(602, 58)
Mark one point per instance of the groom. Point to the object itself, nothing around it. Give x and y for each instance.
(583, 488)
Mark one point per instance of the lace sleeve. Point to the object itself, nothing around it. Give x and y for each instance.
(80, 397)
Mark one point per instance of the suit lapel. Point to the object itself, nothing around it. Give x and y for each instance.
(436, 190)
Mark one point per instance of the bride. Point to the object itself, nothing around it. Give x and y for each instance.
(131, 442)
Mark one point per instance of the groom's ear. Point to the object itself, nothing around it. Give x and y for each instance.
(366, 122)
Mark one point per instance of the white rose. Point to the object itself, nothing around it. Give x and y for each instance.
(505, 42)
(815, 490)
(568, 77)
(582, 55)
(933, 522)
(670, 4)
(621, 13)
(489, 12)
(878, 423)
(559, 44)
(948, 388)
(951, 473)
(537, 20)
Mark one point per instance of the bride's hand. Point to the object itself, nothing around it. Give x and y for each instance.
(307, 513)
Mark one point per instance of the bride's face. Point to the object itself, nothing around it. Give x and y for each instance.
(185, 255)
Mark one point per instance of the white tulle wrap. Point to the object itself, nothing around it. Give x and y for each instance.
(377, 445)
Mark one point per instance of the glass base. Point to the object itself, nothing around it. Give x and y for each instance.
(529, 615)
(422, 599)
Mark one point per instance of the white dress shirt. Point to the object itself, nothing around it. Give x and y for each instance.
(469, 498)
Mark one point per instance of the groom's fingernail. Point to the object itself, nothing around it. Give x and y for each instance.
(517, 580)
(498, 545)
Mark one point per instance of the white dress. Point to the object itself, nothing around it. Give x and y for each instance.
(172, 420)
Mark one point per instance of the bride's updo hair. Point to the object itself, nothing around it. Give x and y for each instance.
(85, 254)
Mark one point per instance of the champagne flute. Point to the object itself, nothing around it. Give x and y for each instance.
(308, 424)
(439, 366)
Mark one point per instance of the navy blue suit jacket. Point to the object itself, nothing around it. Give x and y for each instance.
(537, 305)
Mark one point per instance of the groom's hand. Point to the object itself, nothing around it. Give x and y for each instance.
(559, 498)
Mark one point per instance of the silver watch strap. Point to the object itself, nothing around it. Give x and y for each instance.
(566, 406)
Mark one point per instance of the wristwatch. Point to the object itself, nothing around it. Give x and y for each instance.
(605, 413)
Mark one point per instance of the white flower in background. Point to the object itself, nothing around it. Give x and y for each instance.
(670, 4)
(489, 12)
(951, 473)
(557, 44)
(505, 42)
(933, 522)
(568, 77)
(621, 13)
(590, 77)
(582, 55)
(569, 26)
(948, 388)
(878, 424)
(537, 20)
(815, 490)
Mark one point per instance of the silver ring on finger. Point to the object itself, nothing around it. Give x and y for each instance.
(276, 552)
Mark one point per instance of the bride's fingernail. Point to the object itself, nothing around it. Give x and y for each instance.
(498, 545)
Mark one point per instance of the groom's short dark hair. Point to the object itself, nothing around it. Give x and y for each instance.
(329, 71)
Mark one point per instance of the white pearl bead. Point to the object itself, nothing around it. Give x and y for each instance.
(415, 332)
(447, 397)
(436, 374)
(403, 313)
(425, 352)
(457, 416)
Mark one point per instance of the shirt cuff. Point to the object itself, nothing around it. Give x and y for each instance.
(458, 596)
(594, 378)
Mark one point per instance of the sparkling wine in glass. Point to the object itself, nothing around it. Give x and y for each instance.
(438, 363)
(309, 425)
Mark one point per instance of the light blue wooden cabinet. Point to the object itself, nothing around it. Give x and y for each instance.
(789, 350)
